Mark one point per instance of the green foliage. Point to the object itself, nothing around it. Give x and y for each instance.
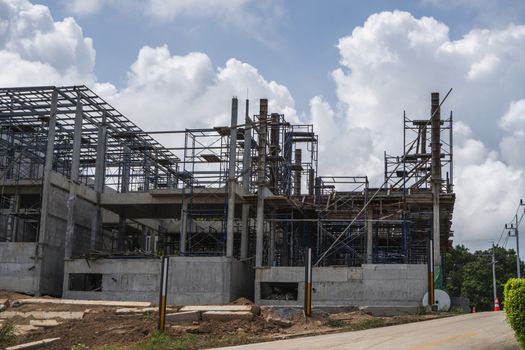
(163, 341)
(7, 332)
(515, 307)
(79, 347)
(470, 274)
(421, 310)
(335, 323)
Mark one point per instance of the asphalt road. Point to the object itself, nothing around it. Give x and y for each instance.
(483, 330)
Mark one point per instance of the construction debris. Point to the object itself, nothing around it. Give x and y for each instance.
(109, 303)
(227, 315)
(182, 317)
(4, 303)
(44, 315)
(34, 345)
(254, 309)
(44, 323)
(136, 311)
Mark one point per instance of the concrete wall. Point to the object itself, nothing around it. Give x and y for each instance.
(54, 235)
(369, 285)
(17, 266)
(192, 280)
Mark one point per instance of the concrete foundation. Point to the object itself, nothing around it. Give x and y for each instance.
(192, 280)
(369, 285)
(17, 266)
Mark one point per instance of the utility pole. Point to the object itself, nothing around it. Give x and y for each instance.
(494, 271)
(514, 228)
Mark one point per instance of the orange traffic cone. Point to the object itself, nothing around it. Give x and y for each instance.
(496, 305)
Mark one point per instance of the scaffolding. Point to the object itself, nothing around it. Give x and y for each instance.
(249, 189)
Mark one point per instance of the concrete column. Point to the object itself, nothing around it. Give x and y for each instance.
(369, 237)
(246, 172)
(121, 244)
(261, 175)
(183, 227)
(100, 177)
(46, 188)
(75, 169)
(232, 179)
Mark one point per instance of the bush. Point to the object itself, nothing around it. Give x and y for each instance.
(6, 332)
(515, 307)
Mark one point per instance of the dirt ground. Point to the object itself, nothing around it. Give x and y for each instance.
(103, 326)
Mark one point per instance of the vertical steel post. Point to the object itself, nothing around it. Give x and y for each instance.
(369, 237)
(308, 283)
(518, 265)
(183, 227)
(231, 179)
(163, 292)
(494, 272)
(431, 295)
(298, 169)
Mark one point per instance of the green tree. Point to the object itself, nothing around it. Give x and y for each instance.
(470, 274)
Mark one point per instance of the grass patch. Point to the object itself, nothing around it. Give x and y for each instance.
(367, 324)
(335, 323)
(163, 341)
(7, 331)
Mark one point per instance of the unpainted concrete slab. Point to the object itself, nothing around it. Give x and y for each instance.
(389, 310)
(183, 317)
(83, 302)
(227, 315)
(44, 315)
(34, 345)
(44, 323)
(254, 309)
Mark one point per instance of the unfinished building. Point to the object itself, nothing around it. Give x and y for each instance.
(89, 201)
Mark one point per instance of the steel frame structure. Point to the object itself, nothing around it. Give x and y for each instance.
(274, 162)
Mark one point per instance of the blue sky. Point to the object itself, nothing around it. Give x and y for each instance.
(348, 67)
(299, 41)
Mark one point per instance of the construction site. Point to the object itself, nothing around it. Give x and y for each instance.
(89, 202)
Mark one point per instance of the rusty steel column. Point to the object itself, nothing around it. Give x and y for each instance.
(298, 168)
(274, 153)
(436, 183)
(261, 179)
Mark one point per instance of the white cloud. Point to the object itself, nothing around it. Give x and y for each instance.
(166, 91)
(83, 7)
(170, 9)
(392, 63)
(513, 144)
(389, 64)
(34, 49)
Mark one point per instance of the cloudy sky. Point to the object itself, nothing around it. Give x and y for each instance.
(348, 67)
